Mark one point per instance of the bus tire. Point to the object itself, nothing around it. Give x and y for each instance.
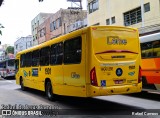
(23, 88)
(49, 91)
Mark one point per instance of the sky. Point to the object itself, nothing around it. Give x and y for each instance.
(16, 16)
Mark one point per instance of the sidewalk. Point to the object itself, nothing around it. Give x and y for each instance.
(1, 78)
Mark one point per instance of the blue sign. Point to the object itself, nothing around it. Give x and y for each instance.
(34, 71)
(103, 82)
(131, 73)
(119, 72)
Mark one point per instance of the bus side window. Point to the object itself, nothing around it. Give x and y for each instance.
(56, 54)
(53, 54)
(16, 65)
(45, 56)
(156, 48)
(72, 51)
(35, 58)
(59, 53)
(22, 60)
(28, 59)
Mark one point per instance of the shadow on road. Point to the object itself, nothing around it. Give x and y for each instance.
(89, 106)
(146, 95)
(9, 78)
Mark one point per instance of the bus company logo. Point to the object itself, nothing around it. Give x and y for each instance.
(131, 73)
(119, 72)
(6, 112)
(25, 73)
(115, 40)
(75, 75)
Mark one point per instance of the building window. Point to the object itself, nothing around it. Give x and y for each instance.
(54, 25)
(90, 7)
(132, 17)
(42, 32)
(16, 46)
(107, 21)
(93, 6)
(59, 23)
(32, 27)
(146, 7)
(113, 19)
(51, 27)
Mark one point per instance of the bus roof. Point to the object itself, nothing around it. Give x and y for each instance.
(69, 35)
(151, 37)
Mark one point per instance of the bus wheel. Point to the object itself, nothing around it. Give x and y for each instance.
(49, 92)
(23, 88)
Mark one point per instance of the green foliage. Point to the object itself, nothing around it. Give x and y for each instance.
(10, 49)
(1, 26)
(1, 1)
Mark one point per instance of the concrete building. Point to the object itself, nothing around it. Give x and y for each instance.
(23, 43)
(57, 23)
(142, 14)
(77, 25)
(4, 47)
(39, 19)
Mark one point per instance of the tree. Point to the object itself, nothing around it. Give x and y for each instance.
(1, 26)
(1, 1)
(10, 49)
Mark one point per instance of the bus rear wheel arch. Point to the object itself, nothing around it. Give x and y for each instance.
(49, 90)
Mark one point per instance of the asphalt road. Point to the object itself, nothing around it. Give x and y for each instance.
(139, 105)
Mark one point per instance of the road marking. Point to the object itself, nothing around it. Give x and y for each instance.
(9, 81)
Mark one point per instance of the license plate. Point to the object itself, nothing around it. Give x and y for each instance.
(118, 81)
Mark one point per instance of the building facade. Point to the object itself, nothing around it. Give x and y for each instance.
(23, 43)
(131, 13)
(2, 54)
(56, 25)
(39, 19)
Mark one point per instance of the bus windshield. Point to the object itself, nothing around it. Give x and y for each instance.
(11, 62)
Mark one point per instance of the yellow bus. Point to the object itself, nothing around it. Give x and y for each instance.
(93, 61)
